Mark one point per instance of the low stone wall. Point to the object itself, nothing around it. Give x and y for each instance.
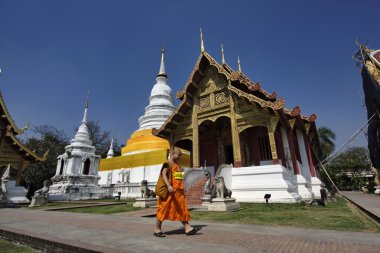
(128, 190)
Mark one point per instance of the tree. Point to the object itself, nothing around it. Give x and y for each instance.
(326, 138)
(46, 138)
(350, 169)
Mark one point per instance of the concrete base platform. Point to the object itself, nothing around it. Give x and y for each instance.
(145, 202)
(219, 204)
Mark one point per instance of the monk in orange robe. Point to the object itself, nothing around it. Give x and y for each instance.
(174, 207)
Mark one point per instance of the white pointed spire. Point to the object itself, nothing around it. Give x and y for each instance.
(84, 120)
(223, 61)
(202, 43)
(160, 101)
(82, 135)
(110, 153)
(162, 66)
(239, 68)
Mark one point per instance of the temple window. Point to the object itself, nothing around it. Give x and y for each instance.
(86, 168)
(61, 169)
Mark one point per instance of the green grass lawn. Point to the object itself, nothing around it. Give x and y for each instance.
(339, 215)
(104, 209)
(9, 247)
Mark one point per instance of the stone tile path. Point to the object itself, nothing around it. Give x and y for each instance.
(129, 232)
(369, 203)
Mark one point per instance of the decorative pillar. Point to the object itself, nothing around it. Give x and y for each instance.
(194, 124)
(235, 133)
(291, 147)
(271, 125)
(304, 157)
(309, 156)
(288, 156)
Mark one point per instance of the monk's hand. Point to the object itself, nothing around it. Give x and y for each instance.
(170, 188)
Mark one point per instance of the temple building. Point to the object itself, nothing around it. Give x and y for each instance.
(144, 153)
(225, 118)
(76, 174)
(14, 156)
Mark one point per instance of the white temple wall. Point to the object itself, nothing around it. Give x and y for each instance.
(128, 180)
(69, 167)
(303, 186)
(135, 175)
(77, 165)
(58, 168)
(288, 155)
(250, 184)
(305, 171)
(94, 167)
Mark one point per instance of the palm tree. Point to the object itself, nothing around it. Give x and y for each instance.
(326, 137)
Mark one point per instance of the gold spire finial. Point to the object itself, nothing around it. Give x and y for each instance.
(239, 68)
(223, 61)
(202, 44)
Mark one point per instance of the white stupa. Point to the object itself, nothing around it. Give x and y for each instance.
(110, 152)
(144, 153)
(76, 176)
(160, 107)
(160, 101)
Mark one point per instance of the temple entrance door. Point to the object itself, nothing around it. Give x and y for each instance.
(207, 145)
(229, 154)
(224, 141)
(215, 143)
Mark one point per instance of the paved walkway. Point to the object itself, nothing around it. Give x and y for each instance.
(369, 203)
(130, 232)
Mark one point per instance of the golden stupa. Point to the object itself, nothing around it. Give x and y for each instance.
(143, 148)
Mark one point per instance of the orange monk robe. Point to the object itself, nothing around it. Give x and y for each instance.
(174, 207)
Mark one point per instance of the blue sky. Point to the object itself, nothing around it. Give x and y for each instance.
(53, 52)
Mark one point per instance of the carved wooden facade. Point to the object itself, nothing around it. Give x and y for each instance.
(12, 151)
(224, 117)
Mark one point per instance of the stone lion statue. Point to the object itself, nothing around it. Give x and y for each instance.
(207, 187)
(44, 190)
(221, 189)
(145, 191)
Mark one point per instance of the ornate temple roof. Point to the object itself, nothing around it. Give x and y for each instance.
(27, 152)
(7, 117)
(12, 130)
(238, 83)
